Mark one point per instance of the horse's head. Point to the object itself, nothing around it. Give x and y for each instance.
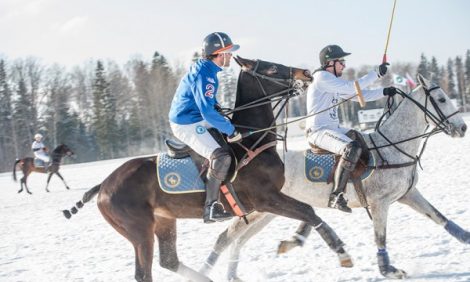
(274, 80)
(442, 112)
(263, 86)
(63, 150)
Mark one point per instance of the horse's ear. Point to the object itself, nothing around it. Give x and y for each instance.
(423, 81)
(245, 64)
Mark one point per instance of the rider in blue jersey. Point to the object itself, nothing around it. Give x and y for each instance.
(193, 110)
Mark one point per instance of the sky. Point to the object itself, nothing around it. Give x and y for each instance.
(71, 32)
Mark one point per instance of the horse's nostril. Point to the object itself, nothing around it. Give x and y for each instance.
(464, 128)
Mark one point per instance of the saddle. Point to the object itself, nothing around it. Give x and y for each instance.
(40, 163)
(361, 170)
(182, 170)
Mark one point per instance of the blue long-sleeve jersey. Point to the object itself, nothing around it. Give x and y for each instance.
(195, 98)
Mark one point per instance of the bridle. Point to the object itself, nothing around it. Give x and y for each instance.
(291, 87)
(441, 122)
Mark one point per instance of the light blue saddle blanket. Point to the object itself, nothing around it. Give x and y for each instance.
(318, 167)
(39, 163)
(177, 176)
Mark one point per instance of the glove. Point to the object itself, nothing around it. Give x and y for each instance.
(235, 137)
(382, 69)
(218, 108)
(390, 91)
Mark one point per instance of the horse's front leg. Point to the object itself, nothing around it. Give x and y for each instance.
(379, 213)
(63, 180)
(226, 238)
(298, 240)
(254, 227)
(415, 200)
(48, 180)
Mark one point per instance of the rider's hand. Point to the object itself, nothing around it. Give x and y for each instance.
(218, 108)
(390, 91)
(235, 137)
(382, 69)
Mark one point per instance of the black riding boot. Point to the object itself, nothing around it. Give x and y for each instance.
(219, 166)
(346, 165)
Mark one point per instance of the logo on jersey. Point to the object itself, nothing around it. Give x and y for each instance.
(211, 80)
(334, 110)
(200, 129)
(210, 89)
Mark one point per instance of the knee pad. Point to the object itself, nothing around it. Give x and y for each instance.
(219, 164)
(352, 152)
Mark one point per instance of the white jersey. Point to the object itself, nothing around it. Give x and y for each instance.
(39, 151)
(327, 90)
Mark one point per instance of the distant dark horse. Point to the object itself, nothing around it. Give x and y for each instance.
(27, 166)
(131, 200)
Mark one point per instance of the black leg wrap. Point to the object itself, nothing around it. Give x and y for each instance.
(74, 210)
(384, 263)
(456, 231)
(330, 237)
(79, 204)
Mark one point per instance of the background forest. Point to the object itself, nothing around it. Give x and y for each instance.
(103, 110)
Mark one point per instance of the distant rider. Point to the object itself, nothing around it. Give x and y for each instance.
(40, 151)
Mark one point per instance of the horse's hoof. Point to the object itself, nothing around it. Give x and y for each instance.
(68, 188)
(392, 272)
(235, 279)
(20, 191)
(345, 260)
(286, 246)
(47, 191)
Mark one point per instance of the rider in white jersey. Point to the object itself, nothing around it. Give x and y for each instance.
(40, 151)
(323, 129)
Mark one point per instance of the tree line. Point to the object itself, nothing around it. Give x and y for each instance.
(103, 110)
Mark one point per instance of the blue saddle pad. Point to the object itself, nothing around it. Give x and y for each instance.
(39, 163)
(177, 176)
(318, 167)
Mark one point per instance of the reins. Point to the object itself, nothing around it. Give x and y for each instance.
(438, 121)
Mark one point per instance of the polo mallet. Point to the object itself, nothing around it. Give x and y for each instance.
(360, 97)
(384, 59)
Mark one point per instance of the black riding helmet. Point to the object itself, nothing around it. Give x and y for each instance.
(218, 42)
(330, 53)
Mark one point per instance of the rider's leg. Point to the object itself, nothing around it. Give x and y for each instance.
(219, 166)
(346, 165)
(337, 142)
(199, 139)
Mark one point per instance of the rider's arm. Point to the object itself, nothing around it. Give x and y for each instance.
(330, 83)
(204, 96)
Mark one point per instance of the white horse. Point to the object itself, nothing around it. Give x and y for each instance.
(426, 105)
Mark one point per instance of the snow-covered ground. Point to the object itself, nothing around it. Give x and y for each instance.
(38, 244)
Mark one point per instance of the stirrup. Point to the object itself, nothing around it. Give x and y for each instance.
(338, 202)
(215, 213)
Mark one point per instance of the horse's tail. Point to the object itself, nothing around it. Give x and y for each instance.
(90, 194)
(14, 168)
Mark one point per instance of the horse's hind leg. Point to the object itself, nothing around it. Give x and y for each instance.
(63, 180)
(298, 240)
(165, 230)
(379, 212)
(235, 230)
(138, 227)
(415, 200)
(23, 182)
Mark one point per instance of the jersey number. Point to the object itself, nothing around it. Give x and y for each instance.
(209, 91)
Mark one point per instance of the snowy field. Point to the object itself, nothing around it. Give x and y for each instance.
(38, 244)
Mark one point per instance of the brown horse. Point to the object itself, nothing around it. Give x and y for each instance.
(27, 166)
(131, 200)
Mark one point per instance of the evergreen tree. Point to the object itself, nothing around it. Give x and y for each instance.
(423, 67)
(104, 106)
(226, 94)
(467, 75)
(435, 74)
(450, 81)
(7, 136)
(460, 76)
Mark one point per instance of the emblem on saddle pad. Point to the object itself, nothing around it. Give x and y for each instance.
(177, 176)
(172, 179)
(319, 167)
